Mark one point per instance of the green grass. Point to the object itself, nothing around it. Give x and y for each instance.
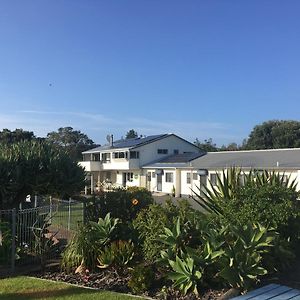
(26, 288)
(60, 218)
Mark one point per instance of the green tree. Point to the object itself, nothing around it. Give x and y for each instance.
(274, 134)
(131, 134)
(31, 167)
(73, 141)
(8, 137)
(207, 145)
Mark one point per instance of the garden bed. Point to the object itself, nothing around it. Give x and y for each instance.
(112, 281)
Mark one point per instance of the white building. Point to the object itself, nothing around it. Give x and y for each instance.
(121, 162)
(169, 164)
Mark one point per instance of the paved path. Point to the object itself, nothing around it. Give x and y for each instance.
(272, 291)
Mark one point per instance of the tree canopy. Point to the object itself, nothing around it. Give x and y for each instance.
(8, 137)
(207, 145)
(274, 134)
(131, 134)
(30, 167)
(73, 141)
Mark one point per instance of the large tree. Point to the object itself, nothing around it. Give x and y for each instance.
(8, 137)
(207, 145)
(274, 134)
(73, 141)
(35, 167)
(131, 134)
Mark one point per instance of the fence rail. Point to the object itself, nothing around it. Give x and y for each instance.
(34, 236)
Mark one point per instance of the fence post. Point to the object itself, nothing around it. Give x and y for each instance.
(69, 215)
(35, 200)
(13, 241)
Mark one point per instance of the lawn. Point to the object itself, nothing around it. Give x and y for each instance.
(22, 288)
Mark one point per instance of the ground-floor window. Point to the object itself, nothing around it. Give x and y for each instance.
(129, 176)
(188, 178)
(169, 177)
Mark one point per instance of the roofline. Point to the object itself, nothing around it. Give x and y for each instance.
(256, 150)
(164, 136)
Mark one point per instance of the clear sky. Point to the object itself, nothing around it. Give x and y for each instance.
(196, 68)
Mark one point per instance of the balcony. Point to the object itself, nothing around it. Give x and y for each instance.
(91, 166)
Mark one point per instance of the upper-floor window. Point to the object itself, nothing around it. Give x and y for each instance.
(162, 151)
(169, 177)
(96, 156)
(134, 154)
(120, 155)
(195, 176)
(176, 151)
(106, 157)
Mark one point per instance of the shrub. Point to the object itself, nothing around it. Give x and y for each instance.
(141, 279)
(265, 198)
(84, 248)
(242, 263)
(118, 255)
(151, 222)
(121, 204)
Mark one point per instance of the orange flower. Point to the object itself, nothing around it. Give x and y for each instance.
(135, 201)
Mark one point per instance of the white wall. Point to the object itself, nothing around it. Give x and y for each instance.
(148, 153)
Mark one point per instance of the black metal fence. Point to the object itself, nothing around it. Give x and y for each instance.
(35, 236)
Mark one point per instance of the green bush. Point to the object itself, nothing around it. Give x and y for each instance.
(117, 255)
(141, 279)
(150, 223)
(266, 198)
(121, 204)
(84, 248)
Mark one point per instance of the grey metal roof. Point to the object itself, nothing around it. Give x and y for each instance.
(128, 143)
(259, 159)
(175, 161)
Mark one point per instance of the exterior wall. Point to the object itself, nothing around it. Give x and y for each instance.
(148, 153)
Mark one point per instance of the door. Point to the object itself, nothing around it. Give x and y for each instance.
(159, 182)
(124, 179)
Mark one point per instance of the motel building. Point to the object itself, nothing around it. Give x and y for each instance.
(167, 164)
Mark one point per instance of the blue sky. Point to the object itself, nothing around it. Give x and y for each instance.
(196, 68)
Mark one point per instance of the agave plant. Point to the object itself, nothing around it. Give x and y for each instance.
(84, 248)
(210, 197)
(242, 259)
(185, 274)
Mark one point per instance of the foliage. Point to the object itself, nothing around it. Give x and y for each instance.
(117, 254)
(242, 259)
(185, 274)
(84, 248)
(151, 222)
(141, 279)
(18, 135)
(122, 204)
(131, 134)
(5, 242)
(264, 197)
(45, 243)
(275, 134)
(207, 145)
(36, 167)
(73, 141)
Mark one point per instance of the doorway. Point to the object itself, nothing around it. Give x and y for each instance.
(159, 182)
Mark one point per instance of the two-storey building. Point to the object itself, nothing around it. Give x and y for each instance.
(120, 162)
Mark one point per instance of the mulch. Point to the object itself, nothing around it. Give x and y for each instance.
(112, 281)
